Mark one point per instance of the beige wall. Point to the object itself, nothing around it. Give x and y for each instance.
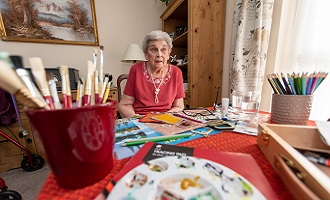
(119, 22)
(226, 57)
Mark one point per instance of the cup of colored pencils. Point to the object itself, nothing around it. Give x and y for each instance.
(293, 96)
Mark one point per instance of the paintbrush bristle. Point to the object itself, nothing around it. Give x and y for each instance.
(36, 63)
(101, 48)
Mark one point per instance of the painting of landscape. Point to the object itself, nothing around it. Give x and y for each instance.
(49, 21)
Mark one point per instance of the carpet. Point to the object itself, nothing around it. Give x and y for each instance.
(28, 184)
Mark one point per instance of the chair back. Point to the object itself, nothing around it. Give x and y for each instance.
(119, 80)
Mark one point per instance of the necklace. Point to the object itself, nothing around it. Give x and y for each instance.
(157, 89)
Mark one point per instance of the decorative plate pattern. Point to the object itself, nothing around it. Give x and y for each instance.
(183, 178)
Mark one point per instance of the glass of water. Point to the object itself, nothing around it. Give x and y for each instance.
(250, 102)
(236, 99)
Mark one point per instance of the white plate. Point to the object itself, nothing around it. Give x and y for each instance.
(184, 178)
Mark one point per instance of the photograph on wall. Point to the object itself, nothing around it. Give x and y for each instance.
(49, 21)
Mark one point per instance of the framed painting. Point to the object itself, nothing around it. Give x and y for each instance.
(49, 21)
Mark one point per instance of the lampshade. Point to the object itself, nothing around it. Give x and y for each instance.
(133, 54)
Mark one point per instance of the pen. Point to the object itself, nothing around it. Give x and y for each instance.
(154, 139)
(317, 158)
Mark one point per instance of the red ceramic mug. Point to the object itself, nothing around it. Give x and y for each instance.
(78, 142)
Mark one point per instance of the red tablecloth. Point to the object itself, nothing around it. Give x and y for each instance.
(225, 141)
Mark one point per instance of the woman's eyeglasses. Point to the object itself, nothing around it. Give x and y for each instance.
(197, 112)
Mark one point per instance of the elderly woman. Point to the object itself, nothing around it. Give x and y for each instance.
(154, 85)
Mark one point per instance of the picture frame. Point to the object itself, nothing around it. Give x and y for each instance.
(51, 21)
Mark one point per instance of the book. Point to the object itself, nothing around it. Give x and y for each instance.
(242, 164)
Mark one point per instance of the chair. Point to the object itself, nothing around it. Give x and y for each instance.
(119, 80)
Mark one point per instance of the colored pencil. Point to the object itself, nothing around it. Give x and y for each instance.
(154, 139)
(279, 83)
(316, 77)
(288, 91)
(276, 84)
(303, 83)
(296, 84)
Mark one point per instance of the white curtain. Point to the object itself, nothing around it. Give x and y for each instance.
(309, 49)
(249, 45)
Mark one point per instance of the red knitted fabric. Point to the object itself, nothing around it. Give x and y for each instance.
(225, 141)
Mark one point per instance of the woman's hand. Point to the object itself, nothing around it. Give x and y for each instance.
(177, 105)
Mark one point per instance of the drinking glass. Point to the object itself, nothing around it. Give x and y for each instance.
(236, 99)
(250, 102)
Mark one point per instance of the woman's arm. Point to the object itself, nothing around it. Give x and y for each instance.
(125, 106)
(177, 105)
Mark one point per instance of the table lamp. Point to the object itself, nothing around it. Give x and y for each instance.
(133, 54)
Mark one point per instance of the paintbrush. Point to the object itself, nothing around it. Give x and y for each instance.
(106, 94)
(53, 90)
(13, 84)
(80, 92)
(104, 85)
(25, 76)
(95, 58)
(96, 88)
(66, 92)
(39, 74)
(101, 64)
(88, 87)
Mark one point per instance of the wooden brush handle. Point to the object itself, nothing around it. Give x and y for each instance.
(24, 97)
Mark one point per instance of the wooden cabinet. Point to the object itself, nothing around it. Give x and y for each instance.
(202, 40)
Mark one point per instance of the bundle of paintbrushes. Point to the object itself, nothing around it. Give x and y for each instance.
(16, 80)
(296, 83)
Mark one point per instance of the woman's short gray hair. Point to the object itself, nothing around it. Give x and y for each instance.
(156, 36)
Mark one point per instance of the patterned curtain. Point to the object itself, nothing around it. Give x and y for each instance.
(251, 26)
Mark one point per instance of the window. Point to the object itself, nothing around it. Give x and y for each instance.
(307, 46)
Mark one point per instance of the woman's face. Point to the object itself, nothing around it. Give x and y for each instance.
(157, 54)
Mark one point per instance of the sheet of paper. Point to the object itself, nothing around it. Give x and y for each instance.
(243, 128)
(324, 129)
